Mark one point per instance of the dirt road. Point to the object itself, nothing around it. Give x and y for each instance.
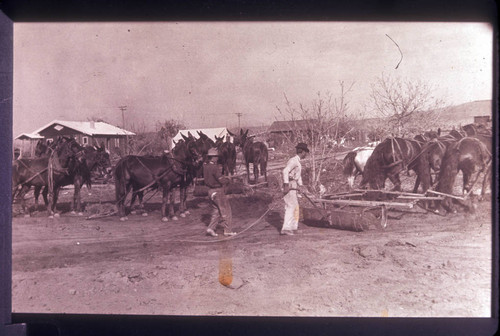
(421, 265)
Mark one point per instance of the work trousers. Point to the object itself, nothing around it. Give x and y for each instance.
(222, 214)
(291, 221)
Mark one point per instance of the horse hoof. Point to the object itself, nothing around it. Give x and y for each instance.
(51, 217)
(175, 218)
(183, 215)
(73, 212)
(123, 219)
(187, 212)
(80, 214)
(56, 215)
(27, 216)
(144, 214)
(133, 212)
(164, 219)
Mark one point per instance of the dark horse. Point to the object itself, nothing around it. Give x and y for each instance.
(466, 155)
(95, 159)
(253, 152)
(140, 173)
(227, 155)
(430, 158)
(60, 168)
(480, 132)
(388, 159)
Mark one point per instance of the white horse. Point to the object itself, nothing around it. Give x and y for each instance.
(354, 163)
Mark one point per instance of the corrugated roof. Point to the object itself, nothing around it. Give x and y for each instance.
(290, 125)
(85, 127)
(28, 136)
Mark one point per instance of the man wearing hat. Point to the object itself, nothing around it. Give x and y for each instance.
(217, 183)
(292, 180)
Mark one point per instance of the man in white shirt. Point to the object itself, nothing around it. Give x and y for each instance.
(292, 180)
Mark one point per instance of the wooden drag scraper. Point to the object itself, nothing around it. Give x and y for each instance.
(358, 210)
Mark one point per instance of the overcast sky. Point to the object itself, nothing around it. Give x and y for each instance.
(204, 73)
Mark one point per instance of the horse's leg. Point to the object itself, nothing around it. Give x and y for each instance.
(20, 197)
(487, 175)
(248, 171)
(36, 194)
(417, 184)
(164, 201)
(76, 206)
(256, 171)
(466, 175)
(263, 169)
(182, 199)
(132, 201)
(53, 202)
(141, 203)
(394, 178)
(171, 202)
(45, 195)
(121, 195)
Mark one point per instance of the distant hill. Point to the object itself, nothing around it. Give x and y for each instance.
(464, 113)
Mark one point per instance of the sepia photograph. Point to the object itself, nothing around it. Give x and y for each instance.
(253, 168)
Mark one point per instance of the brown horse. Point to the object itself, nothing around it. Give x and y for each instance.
(468, 155)
(141, 173)
(480, 132)
(253, 152)
(65, 164)
(227, 155)
(95, 159)
(388, 159)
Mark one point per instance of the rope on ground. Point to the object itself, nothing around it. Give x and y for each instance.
(238, 235)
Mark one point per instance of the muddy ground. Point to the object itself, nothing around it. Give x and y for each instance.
(422, 265)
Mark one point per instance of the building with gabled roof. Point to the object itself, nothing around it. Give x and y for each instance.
(25, 144)
(98, 133)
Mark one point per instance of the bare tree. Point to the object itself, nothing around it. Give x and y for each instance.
(157, 142)
(323, 124)
(408, 105)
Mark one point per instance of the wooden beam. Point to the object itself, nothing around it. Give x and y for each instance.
(365, 203)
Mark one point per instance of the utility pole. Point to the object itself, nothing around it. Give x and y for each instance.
(123, 108)
(239, 114)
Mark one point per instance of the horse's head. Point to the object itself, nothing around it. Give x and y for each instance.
(68, 150)
(98, 157)
(188, 152)
(218, 141)
(41, 148)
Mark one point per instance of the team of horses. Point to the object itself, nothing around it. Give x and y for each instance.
(65, 162)
(56, 165)
(466, 150)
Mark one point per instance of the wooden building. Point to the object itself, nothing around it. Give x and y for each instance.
(25, 144)
(114, 139)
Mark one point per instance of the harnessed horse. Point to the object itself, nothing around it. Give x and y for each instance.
(253, 152)
(166, 172)
(64, 164)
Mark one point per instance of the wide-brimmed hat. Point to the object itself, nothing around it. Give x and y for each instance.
(302, 146)
(213, 152)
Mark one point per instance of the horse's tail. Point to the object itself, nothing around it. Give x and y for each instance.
(349, 163)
